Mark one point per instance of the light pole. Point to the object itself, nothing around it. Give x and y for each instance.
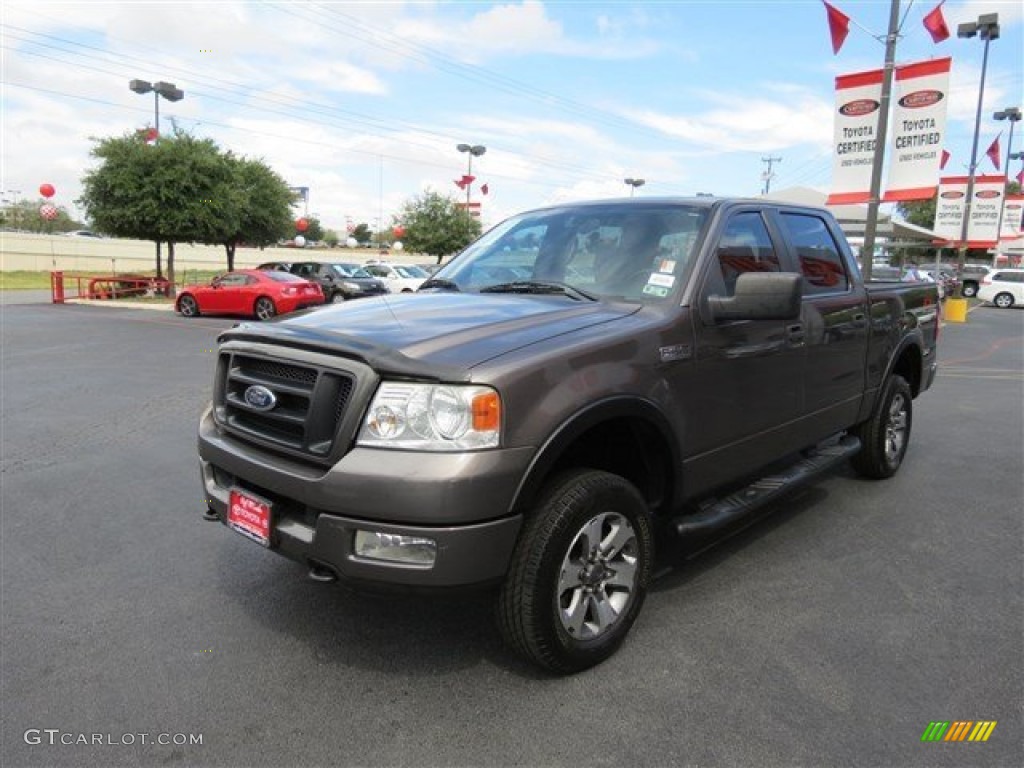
(633, 184)
(1013, 115)
(171, 93)
(987, 28)
(476, 150)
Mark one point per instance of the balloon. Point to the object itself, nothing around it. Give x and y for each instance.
(398, 231)
(48, 212)
(47, 190)
(300, 241)
(351, 243)
(302, 225)
(397, 245)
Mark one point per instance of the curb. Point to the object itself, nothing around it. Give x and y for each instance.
(120, 304)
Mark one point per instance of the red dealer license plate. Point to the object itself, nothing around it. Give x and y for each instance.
(250, 516)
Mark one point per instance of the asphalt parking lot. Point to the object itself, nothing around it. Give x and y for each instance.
(829, 634)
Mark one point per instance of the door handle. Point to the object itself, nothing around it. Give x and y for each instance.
(859, 320)
(795, 333)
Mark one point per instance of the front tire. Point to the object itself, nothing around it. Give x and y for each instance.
(886, 435)
(187, 306)
(579, 573)
(1003, 300)
(264, 308)
(337, 297)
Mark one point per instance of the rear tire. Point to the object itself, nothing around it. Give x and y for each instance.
(886, 435)
(1003, 300)
(264, 308)
(969, 290)
(579, 573)
(187, 306)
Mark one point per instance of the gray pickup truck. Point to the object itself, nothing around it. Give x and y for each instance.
(582, 383)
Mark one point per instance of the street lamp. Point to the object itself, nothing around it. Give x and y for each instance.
(987, 28)
(633, 184)
(167, 90)
(472, 151)
(1013, 115)
(171, 93)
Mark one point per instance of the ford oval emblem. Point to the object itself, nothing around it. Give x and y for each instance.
(260, 398)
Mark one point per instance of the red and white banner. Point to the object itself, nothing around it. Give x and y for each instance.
(1013, 218)
(918, 129)
(983, 227)
(858, 99)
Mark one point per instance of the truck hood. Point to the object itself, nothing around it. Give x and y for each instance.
(437, 335)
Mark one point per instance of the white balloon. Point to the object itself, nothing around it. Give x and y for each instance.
(300, 241)
(397, 245)
(351, 242)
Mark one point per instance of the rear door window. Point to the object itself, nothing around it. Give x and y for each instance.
(821, 262)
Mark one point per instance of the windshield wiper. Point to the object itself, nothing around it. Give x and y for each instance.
(540, 286)
(441, 282)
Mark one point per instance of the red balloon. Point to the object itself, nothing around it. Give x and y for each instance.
(398, 231)
(302, 225)
(47, 190)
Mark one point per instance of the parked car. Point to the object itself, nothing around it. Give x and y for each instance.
(255, 292)
(276, 266)
(1003, 287)
(971, 276)
(82, 233)
(340, 281)
(399, 278)
(658, 367)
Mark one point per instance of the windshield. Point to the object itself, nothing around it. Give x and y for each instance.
(351, 270)
(617, 250)
(411, 272)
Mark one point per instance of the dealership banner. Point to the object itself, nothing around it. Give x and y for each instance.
(983, 228)
(858, 99)
(1013, 218)
(917, 130)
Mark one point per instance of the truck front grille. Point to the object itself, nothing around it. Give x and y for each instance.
(280, 404)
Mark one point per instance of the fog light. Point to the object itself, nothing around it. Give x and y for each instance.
(393, 548)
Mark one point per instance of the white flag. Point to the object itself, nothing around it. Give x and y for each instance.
(918, 130)
(858, 99)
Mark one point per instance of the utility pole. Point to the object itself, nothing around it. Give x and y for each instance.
(768, 175)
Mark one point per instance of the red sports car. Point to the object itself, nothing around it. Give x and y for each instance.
(249, 292)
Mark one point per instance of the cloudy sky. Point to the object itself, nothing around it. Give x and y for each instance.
(365, 102)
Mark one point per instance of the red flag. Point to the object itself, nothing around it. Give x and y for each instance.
(838, 26)
(1020, 176)
(461, 183)
(935, 23)
(945, 159)
(485, 189)
(993, 152)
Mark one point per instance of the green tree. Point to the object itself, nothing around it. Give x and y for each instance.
(177, 190)
(362, 233)
(436, 225)
(331, 238)
(263, 203)
(25, 217)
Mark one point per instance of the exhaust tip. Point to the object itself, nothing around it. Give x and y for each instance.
(321, 574)
(210, 516)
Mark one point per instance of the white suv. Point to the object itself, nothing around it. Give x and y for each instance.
(1003, 287)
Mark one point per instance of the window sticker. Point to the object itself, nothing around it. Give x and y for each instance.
(655, 290)
(667, 265)
(665, 281)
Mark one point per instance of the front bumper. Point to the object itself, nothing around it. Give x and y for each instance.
(460, 500)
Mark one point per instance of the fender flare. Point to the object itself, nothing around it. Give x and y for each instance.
(577, 424)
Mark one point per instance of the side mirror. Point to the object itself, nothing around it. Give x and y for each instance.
(760, 296)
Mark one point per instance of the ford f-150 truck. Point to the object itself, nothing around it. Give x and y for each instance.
(581, 383)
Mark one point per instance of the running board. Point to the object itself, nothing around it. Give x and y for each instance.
(717, 514)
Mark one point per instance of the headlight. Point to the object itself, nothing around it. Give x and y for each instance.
(354, 287)
(432, 417)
